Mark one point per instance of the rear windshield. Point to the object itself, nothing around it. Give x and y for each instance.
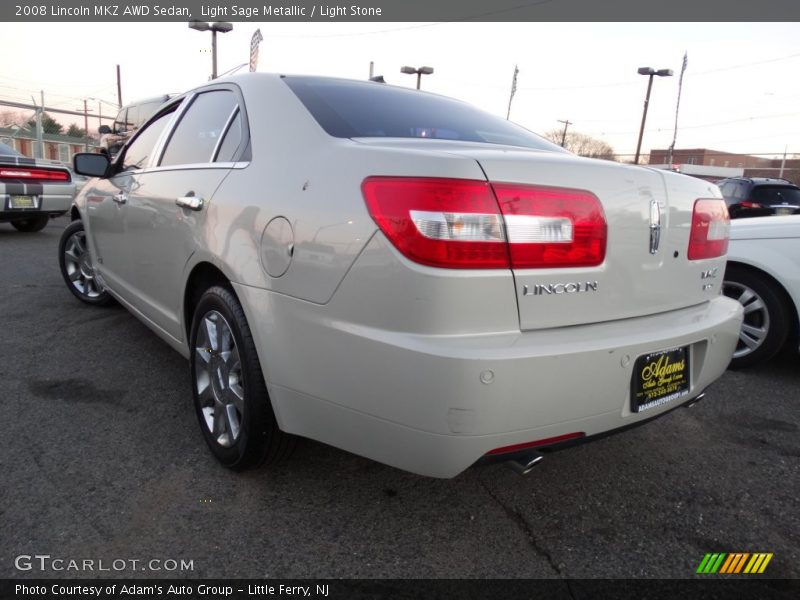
(348, 109)
(775, 194)
(8, 151)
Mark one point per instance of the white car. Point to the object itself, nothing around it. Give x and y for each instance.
(401, 275)
(763, 274)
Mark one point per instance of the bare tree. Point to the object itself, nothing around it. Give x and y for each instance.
(582, 144)
(9, 118)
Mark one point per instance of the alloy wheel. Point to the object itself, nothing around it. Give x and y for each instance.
(79, 267)
(218, 379)
(755, 327)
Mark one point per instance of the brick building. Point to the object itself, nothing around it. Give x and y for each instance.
(59, 148)
(753, 166)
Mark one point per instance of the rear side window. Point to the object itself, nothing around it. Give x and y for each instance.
(196, 136)
(230, 143)
(348, 109)
(733, 190)
(769, 195)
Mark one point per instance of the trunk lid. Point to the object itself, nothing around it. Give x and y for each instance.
(631, 281)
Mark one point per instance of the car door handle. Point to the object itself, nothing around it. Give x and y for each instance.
(190, 202)
(120, 198)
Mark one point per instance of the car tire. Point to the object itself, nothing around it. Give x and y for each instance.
(77, 267)
(31, 225)
(766, 315)
(230, 395)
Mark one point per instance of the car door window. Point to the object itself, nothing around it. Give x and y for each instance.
(230, 143)
(138, 154)
(196, 136)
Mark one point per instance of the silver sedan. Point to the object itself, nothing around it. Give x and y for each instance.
(401, 275)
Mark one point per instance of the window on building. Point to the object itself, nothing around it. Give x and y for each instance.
(63, 153)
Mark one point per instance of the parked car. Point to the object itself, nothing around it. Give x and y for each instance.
(401, 275)
(32, 191)
(760, 196)
(127, 121)
(763, 274)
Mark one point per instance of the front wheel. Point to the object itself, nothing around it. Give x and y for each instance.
(230, 396)
(77, 267)
(30, 225)
(766, 315)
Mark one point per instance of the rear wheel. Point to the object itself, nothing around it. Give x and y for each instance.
(231, 399)
(30, 225)
(77, 267)
(766, 315)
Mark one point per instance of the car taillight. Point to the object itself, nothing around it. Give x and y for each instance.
(748, 204)
(466, 224)
(453, 223)
(711, 227)
(552, 227)
(33, 174)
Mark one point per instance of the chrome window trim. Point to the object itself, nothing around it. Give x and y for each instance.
(195, 166)
(225, 129)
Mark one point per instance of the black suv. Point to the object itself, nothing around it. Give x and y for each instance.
(760, 196)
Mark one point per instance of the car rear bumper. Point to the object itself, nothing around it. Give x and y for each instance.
(50, 204)
(434, 404)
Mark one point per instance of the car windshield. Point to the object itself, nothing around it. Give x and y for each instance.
(350, 109)
(775, 194)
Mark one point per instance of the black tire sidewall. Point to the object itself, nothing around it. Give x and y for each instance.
(31, 225)
(249, 448)
(777, 310)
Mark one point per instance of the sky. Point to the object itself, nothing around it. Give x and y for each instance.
(741, 89)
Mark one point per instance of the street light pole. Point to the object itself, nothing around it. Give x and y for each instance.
(217, 26)
(418, 72)
(650, 72)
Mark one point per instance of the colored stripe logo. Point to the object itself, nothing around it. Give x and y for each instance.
(734, 563)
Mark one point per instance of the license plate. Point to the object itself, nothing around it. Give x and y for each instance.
(23, 202)
(784, 210)
(659, 378)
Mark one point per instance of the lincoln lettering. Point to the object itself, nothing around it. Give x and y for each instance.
(559, 288)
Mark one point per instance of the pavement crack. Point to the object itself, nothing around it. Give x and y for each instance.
(525, 527)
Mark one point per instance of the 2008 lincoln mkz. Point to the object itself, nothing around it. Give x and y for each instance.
(401, 275)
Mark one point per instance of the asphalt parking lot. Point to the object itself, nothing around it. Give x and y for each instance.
(102, 458)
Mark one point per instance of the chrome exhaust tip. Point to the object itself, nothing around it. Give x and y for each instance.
(695, 400)
(524, 464)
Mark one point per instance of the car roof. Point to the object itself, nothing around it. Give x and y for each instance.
(761, 180)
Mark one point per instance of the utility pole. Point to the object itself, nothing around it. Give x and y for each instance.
(371, 69)
(85, 126)
(119, 88)
(39, 152)
(783, 162)
(566, 123)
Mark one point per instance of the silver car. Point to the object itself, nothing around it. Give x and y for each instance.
(32, 191)
(401, 275)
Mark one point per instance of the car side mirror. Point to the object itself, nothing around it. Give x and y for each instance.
(103, 129)
(90, 164)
